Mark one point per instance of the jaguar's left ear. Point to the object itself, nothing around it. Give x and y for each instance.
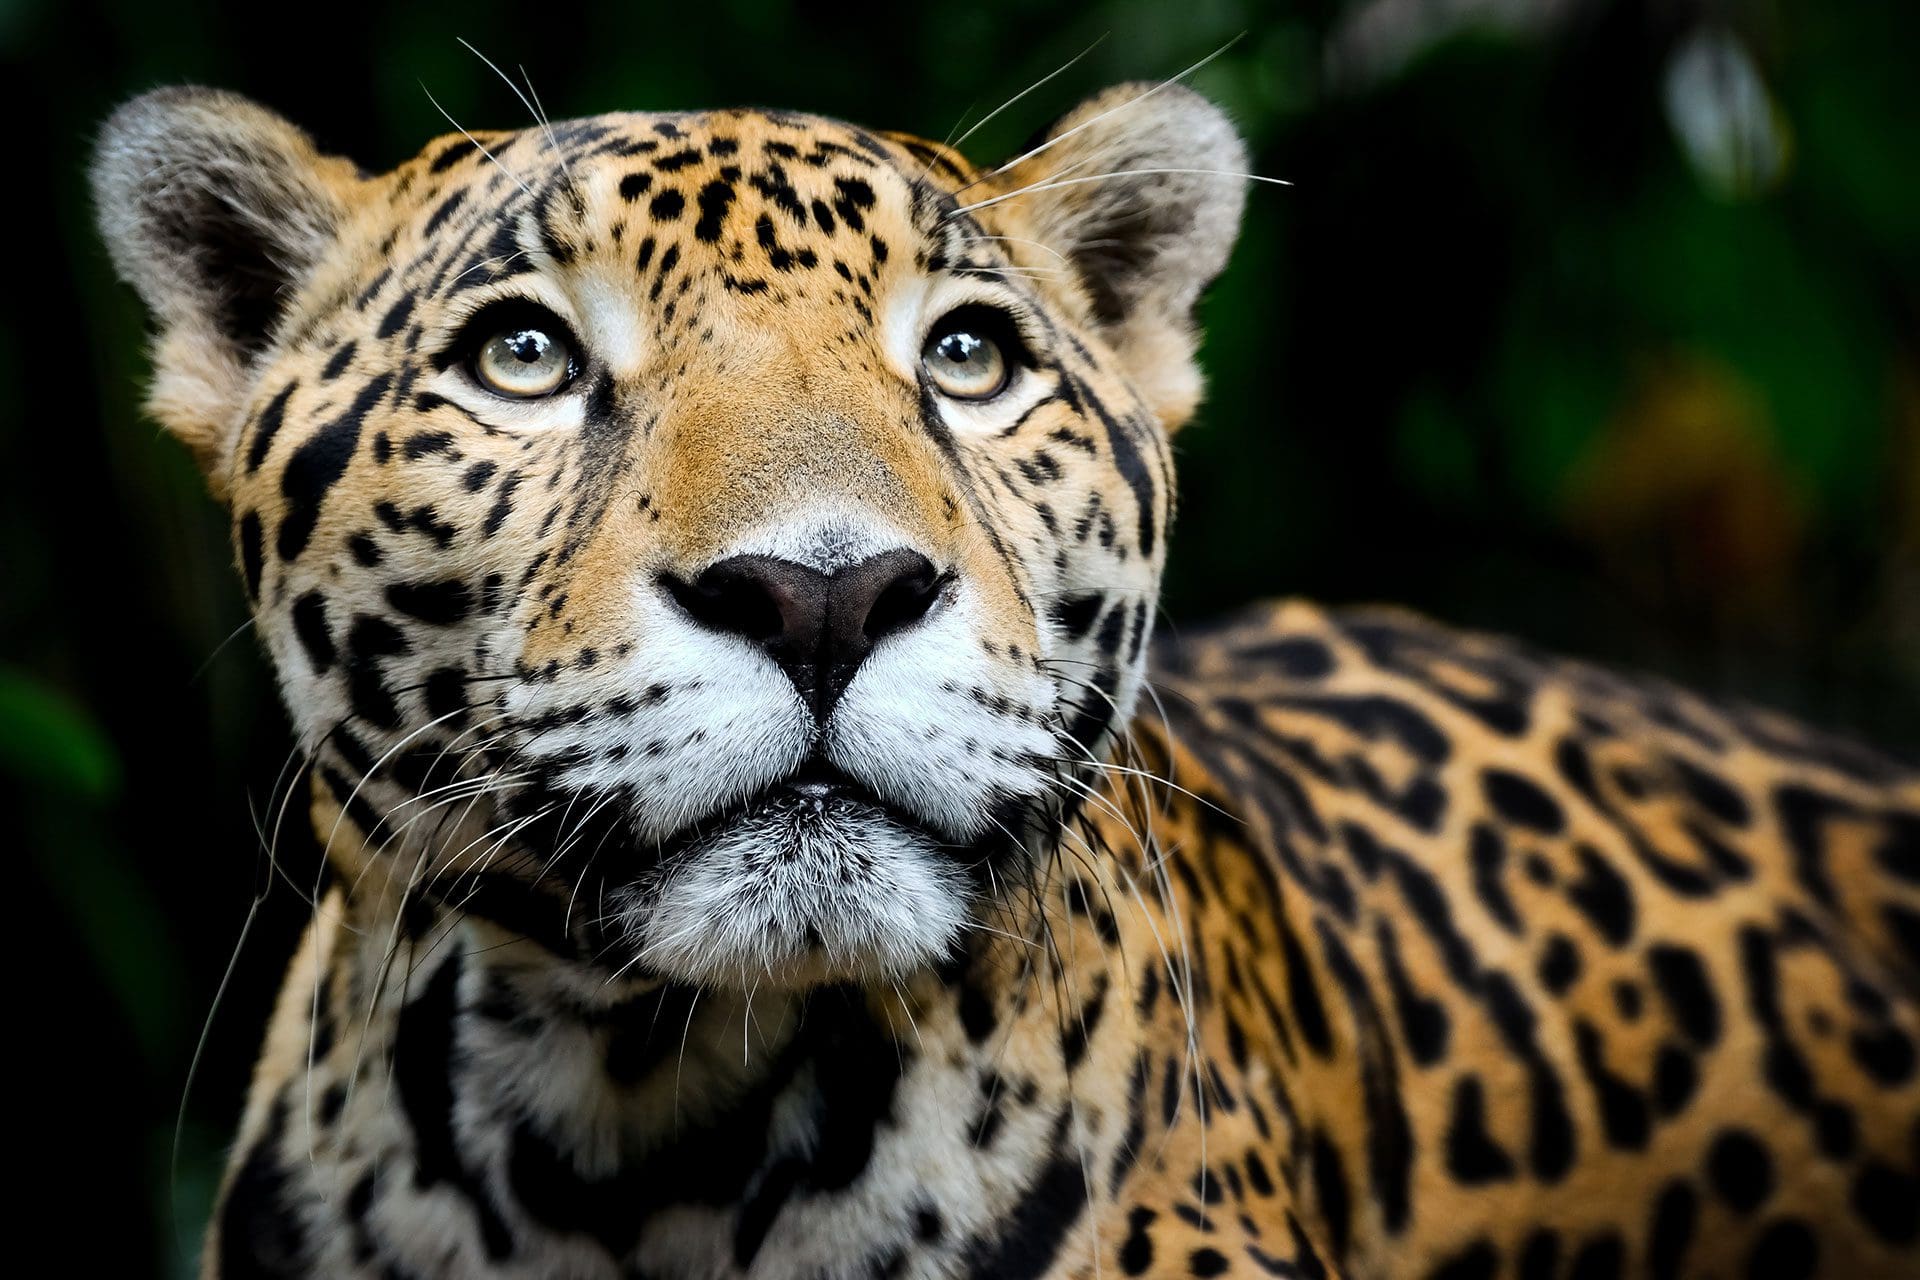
(1139, 189)
(216, 211)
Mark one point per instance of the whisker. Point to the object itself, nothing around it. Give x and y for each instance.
(219, 649)
(681, 1064)
(1044, 248)
(533, 108)
(1103, 177)
(200, 1049)
(487, 263)
(477, 143)
(1087, 124)
(1068, 65)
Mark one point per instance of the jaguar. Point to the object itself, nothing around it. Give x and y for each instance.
(710, 561)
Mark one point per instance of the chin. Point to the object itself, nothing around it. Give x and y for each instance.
(812, 882)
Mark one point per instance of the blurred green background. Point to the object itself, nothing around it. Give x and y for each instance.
(1594, 322)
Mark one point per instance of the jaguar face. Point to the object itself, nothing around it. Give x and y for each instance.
(717, 545)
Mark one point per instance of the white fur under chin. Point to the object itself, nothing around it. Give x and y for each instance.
(796, 892)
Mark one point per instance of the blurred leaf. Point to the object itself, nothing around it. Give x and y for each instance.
(1723, 116)
(47, 740)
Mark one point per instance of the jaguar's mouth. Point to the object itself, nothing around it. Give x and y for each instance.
(811, 803)
(813, 878)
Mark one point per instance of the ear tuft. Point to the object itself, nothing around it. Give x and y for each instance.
(1147, 241)
(214, 209)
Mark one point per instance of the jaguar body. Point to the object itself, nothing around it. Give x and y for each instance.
(709, 560)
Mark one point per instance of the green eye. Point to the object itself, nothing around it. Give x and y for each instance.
(963, 359)
(524, 360)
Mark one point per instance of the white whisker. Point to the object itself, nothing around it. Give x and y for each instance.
(1062, 68)
(1103, 177)
(1057, 139)
(477, 143)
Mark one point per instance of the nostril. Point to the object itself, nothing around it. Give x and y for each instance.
(905, 600)
(727, 600)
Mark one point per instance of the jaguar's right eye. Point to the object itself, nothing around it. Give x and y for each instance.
(521, 352)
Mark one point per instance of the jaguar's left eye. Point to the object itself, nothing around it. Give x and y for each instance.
(518, 350)
(970, 354)
(524, 362)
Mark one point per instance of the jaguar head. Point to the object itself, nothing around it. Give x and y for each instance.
(716, 544)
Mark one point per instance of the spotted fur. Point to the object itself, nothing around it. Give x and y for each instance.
(1359, 948)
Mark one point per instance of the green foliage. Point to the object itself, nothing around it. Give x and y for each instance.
(47, 741)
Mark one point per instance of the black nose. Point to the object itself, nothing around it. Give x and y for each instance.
(817, 626)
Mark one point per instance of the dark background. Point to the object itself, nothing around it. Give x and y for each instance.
(1594, 322)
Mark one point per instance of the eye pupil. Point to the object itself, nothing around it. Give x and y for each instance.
(529, 345)
(962, 348)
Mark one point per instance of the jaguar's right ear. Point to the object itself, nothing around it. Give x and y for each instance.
(215, 210)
